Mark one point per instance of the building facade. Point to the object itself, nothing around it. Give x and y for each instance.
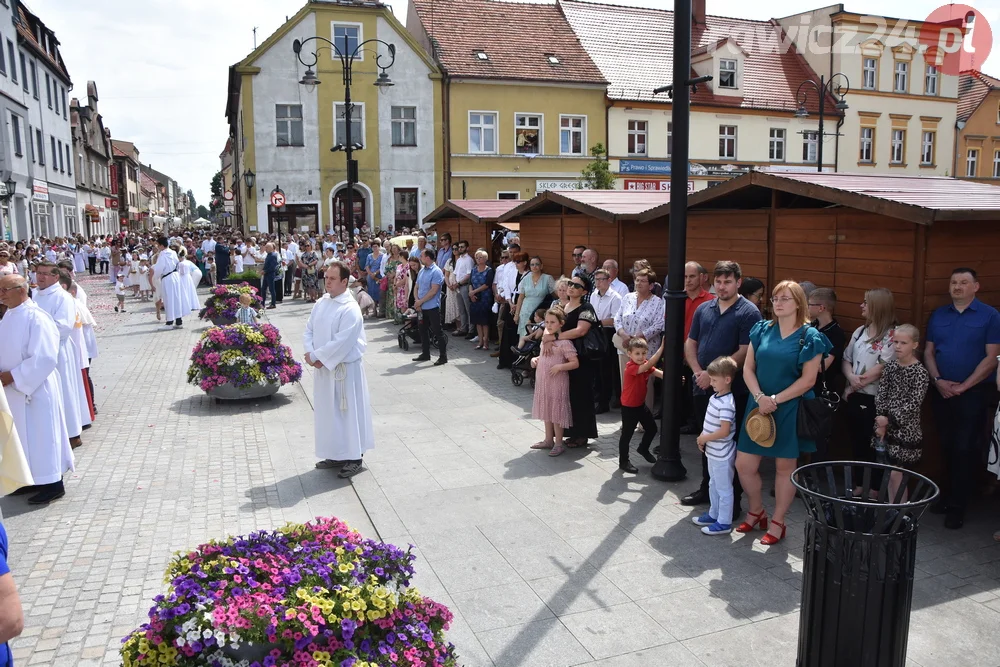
(283, 132)
(125, 183)
(521, 113)
(92, 156)
(902, 104)
(977, 144)
(745, 117)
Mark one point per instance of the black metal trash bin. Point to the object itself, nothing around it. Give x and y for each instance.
(857, 577)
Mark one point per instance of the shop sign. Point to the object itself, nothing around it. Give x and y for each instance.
(40, 191)
(542, 186)
(111, 202)
(648, 185)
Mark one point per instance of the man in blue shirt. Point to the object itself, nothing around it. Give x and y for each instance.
(271, 264)
(963, 341)
(444, 252)
(430, 281)
(719, 328)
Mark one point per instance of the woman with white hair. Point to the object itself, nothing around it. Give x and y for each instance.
(481, 298)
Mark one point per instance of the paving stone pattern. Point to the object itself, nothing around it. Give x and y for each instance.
(545, 561)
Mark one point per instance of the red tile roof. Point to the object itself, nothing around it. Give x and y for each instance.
(477, 210)
(609, 205)
(517, 38)
(26, 21)
(973, 87)
(633, 46)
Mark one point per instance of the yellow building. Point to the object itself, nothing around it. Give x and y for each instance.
(977, 150)
(283, 132)
(522, 107)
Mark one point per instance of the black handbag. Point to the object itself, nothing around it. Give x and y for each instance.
(594, 345)
(814, 420)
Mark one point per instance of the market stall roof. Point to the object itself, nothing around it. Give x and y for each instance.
(607, 205)
(920, 199)
(477, 210)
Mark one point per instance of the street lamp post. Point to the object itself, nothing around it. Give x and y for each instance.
(383, 82)
(833, 87)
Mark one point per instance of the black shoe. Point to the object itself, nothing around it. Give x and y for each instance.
(626, 466)
(87, 427)
(25, 490)
(939, 506)
(616, 404)
(271, 307)
(51, 492)
(601, 409)
(170, 323)
(699, 497)
(457, 333)
(501, 367)
(644, 453)
(422, 358)
(179, 323)
(351, 469)
(955, 519)
(441, 361)
(689, 429)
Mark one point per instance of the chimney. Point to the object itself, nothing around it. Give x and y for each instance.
(92, 95)
(698, 12)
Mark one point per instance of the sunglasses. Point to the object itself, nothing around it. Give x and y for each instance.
(577, 286)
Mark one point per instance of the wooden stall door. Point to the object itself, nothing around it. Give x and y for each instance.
(738, 236)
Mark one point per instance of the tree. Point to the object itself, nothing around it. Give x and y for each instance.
(216, 203)
(597, 175)
(192, 204)
(203, 212)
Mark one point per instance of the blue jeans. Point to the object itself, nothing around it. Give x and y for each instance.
(720, 488)
(268, 281)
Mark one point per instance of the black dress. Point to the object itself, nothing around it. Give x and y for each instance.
(507, 356)
(221, 261)
(581, 380)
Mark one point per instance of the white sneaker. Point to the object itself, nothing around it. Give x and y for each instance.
(475, 340)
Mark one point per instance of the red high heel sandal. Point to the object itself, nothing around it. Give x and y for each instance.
(770, 539)
(759, 519)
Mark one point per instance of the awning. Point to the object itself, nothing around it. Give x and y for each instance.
(90, 208)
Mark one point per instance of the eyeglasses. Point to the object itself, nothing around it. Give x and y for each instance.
(781, 299)
(577, 285)
(815, 305)
(4, 290)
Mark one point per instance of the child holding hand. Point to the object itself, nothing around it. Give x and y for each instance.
(551, 401)
(717, 440)
(633, 399)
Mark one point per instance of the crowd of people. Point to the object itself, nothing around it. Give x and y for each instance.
(591, 342)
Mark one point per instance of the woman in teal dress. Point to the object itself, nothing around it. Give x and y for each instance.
(533, 289)
(781, 367)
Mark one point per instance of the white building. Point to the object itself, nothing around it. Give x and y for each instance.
(283, 132)
(98, 209)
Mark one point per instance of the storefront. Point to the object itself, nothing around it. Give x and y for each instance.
(293, 218)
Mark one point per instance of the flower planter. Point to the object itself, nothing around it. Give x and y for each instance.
(228, 392)
(250, 653)
(221, 320)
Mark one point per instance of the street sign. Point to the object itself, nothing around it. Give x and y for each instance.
(228, 195)
(230, 206)
(277, 199)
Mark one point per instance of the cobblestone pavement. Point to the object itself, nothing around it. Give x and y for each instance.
(544, 561)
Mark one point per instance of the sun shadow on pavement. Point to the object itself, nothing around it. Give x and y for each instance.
(291, 491)
(200, 402)
(12, 506)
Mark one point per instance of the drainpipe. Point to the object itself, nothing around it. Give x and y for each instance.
(959, 126)
(446, 132)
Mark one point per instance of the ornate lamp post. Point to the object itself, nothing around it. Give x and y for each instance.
(310, 81)
(834, 87)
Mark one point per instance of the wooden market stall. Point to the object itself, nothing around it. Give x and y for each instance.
(472, 220)
(553, 222)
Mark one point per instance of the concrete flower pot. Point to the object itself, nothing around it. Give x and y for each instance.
(228, 392)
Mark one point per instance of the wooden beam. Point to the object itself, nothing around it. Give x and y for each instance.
(919, 275)
(772, 242)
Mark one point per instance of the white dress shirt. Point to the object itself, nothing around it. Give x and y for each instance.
(463, 268)
(606, 305)
(619, 287)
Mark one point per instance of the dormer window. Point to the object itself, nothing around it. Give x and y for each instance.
(553, 60)
(727, 73)
(480, 55)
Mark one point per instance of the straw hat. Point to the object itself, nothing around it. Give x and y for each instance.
(761, 428)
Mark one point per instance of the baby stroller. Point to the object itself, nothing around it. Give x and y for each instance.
(410, 330)
(521, 368)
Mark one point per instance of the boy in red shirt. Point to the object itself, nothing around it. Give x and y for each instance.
(634, 410)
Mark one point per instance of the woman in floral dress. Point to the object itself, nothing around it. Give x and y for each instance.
(310, 272)
(402, 284)
(392, 299)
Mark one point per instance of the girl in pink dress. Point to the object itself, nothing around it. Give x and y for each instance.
(551, 402)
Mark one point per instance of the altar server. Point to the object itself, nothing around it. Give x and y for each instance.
(170, 287)
(335, 344)
(29, 359)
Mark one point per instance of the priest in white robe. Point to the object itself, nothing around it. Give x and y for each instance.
(335, 344)
(170, 285)
(29, 358)
(61, 306)
(189, 272)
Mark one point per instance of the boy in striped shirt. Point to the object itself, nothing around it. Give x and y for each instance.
(245, 314)
(717, 441)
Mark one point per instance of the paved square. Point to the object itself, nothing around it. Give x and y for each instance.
(544, 561)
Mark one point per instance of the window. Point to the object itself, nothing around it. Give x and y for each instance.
(48, 89)
(357, 124)
(34, 80)
(927, 148)
(528, 133)
(670, 139)
(347, 36)
(15, 126)
(727, 74)
(404, 126)
(3, 63)
(40, 140)
(40, 213)
(405, 207)
(867, 144)
(869, 73)
(69, 161)
(637, 137)
(482, 132)
(971, 162)
(898, 146)
(810, 146)
(481, 55)
(59, 152)
(572, 131)
(996, 164)
(62, 93)
(776, 145)
(899, 81)
(93, 171)
(55, 156)
(24, 73)
(931, 80)
(288, 124)
(727, 142)
(509, 195)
